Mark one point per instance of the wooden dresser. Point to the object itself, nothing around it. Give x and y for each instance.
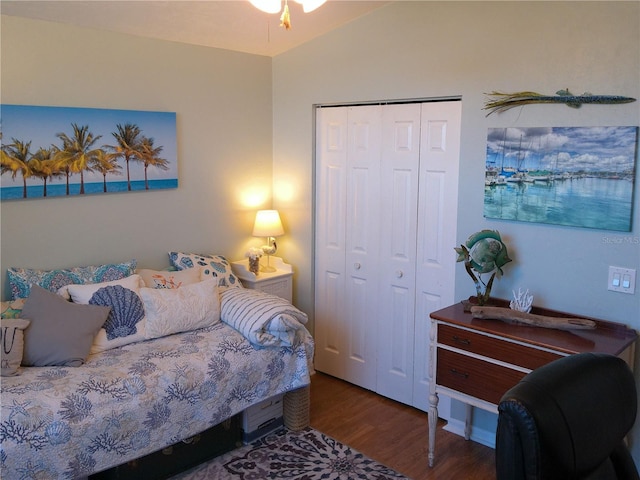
(476, 361)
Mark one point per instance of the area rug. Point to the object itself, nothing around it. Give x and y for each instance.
(303, 455)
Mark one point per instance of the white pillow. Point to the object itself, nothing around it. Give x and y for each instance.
(181, 309)
(126, 322)
(169, 279)
(264, 319)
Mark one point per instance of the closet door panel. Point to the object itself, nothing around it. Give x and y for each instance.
(436, 259)
(331, 195)
(439, 158)
(398, 213)
(361, 253)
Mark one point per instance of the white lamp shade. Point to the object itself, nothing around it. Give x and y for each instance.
(267, 224)
(269, 6)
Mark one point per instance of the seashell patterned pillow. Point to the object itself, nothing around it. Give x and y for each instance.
(212, 266)
(126, 322)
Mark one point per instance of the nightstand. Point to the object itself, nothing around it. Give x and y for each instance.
(278, 283)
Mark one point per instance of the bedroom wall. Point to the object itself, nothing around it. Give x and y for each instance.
(246, 120)
(413, 50)
(224, 130)
(410, 50)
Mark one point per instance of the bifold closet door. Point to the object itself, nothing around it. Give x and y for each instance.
(386, 216)
(437, 233)
(397, 268)
(347, 196)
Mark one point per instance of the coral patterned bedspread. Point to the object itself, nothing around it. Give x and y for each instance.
(62, 422)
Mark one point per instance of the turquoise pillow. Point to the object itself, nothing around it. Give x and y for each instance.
(21, 279)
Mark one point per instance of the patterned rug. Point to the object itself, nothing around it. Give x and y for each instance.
(304, 455)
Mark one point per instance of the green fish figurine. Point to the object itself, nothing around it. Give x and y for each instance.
(484, 252)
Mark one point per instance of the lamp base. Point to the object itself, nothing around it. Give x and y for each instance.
(268, 268)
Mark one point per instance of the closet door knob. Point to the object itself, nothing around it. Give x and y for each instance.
(399, 273)
(357, 266)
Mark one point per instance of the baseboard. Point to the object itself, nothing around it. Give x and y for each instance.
(479, 435)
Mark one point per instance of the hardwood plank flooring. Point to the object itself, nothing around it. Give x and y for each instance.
(394, 434)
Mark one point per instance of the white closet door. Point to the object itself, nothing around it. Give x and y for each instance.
(438, 207)
(347, 209)
(361, 259)
(398, 216)
(331, 201)
(386, 216)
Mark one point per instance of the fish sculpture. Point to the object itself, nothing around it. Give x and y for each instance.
(484, 252)
(504, 101)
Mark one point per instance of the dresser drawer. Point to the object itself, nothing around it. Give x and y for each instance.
(474, 377)
(508, 352)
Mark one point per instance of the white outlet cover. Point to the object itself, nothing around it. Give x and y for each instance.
(622, 274)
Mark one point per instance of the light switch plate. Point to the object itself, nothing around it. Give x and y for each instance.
(622, 279)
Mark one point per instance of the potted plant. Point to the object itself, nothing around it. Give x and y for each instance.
(483, 253)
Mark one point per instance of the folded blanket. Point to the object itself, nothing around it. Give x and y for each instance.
(262, 318)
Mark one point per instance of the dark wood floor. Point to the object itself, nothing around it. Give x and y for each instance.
(393, 434)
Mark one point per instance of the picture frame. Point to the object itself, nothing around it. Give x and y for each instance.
(70, 151)
(572, 176)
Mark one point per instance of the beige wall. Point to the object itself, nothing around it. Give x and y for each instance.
(224, 130)
(241, 116)
(413, 50)
(434, 49)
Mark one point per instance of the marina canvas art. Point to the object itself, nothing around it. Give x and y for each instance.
(67, 151)
(572, 176)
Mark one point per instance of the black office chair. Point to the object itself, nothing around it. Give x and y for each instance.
(568, 420)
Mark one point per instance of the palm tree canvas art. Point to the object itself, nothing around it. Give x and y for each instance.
(65, 151)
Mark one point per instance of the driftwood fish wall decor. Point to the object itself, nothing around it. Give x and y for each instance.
(504, 101)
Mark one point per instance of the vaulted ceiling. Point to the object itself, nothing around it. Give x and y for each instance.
(229, 24)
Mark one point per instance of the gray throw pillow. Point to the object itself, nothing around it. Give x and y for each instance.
(61, 333)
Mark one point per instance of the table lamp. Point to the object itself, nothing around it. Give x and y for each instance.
(268, 225)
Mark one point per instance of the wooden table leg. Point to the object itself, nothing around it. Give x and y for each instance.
(433, 422)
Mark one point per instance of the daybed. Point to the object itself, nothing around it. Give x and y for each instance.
(127, 401)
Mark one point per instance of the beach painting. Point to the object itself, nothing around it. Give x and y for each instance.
(68, 151)
(572, 176)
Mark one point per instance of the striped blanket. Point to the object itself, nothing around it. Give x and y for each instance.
(264, 319)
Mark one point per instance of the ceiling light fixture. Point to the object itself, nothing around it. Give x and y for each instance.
(274, 6)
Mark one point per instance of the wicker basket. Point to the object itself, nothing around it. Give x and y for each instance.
(296, 408)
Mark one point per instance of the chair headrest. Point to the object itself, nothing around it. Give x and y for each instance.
(580, 408)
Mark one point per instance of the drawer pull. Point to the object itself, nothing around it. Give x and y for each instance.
(462, 341)
(459, 374)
